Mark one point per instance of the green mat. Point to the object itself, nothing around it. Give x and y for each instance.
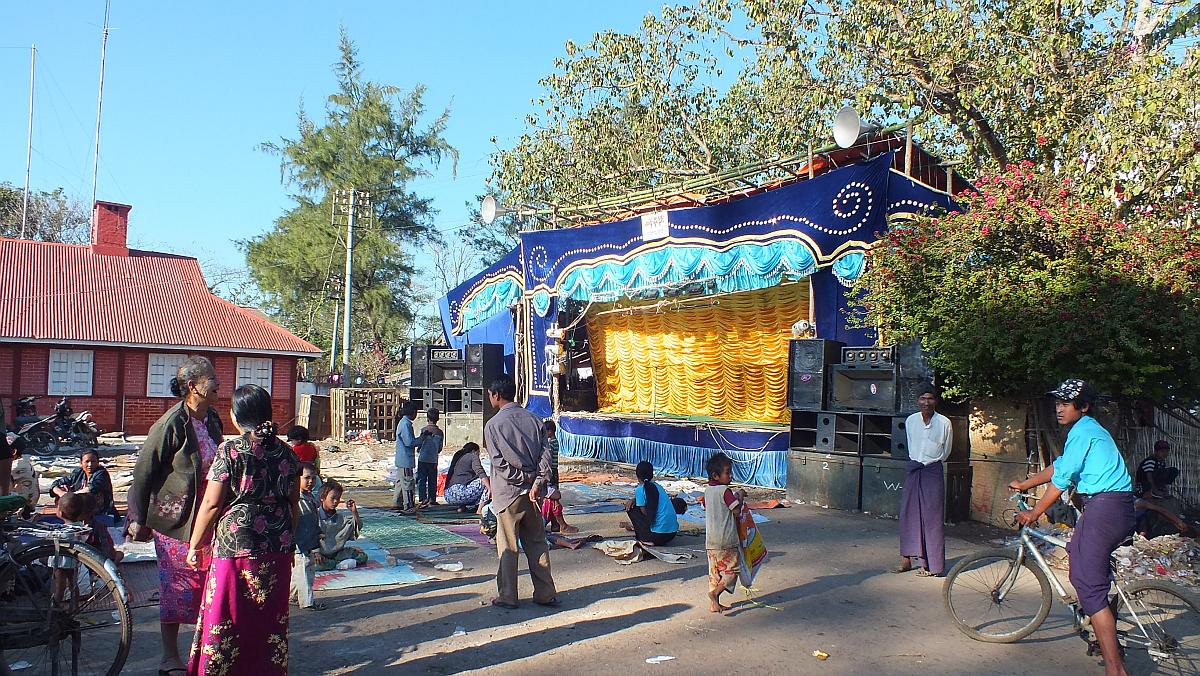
(393, 531)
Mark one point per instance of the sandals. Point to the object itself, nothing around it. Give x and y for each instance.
(552, 603)
(504, 604)
(900, 569)
(925, 572)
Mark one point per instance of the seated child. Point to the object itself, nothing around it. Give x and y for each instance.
(552, 511)
(721, 505)
(651, 510)
(79, 509)
(336, 529)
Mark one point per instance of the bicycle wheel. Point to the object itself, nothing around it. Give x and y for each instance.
(62, 612)
(1170, 616)
(987, 606)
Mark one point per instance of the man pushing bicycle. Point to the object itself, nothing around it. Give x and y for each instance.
(1092, 464)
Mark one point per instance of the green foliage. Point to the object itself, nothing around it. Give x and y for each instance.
(53, 217)
(373, 139)
(1107, 89)
(1034, 284)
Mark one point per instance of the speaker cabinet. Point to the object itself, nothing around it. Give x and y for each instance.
(870, 389)
(484, 362)
(419, 365)
(807, 364)
(899, 438)
(915, 372)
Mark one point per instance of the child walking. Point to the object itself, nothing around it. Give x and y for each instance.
(308, 541)
(721, 505)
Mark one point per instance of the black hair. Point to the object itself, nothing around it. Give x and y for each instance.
(409, 409)
(75, 506)
(90, 451)
(549, 427)
(504, 388)
(252, 410)
(469, 447)
(928, 388)
(298, 433)
(717, 464)
(645, 474)
(432, 415)
(306, 465)
(1086, 397)
(328, 487)
(680, 505)
(192, 369)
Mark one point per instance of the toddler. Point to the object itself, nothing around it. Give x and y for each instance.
(721, 505)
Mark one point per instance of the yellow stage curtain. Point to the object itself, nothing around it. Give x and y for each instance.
(724, 357)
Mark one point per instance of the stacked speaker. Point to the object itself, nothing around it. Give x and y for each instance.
(455, 382)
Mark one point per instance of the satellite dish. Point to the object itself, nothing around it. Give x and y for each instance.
(487, 210)
(847, 127)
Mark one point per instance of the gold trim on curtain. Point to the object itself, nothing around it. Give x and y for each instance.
(724, 357)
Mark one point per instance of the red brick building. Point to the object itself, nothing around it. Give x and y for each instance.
(107, 326)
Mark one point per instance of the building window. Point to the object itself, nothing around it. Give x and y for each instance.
(70, 373)
(159, 372)
(254, 371)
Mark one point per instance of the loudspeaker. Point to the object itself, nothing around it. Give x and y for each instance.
(915, 372)
(870, 389)
(484, 362)
(428, 399)
(899, 438)
(808, 360)
(419, 366)
(826, 431)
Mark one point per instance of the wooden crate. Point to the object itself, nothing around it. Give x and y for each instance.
(354, 410)
(314, 414)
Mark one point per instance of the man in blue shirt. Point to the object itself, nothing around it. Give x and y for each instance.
(1092, 465)
(406, 458)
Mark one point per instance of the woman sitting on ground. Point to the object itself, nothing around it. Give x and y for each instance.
(466, 482)
(651, 510)
(93, 478)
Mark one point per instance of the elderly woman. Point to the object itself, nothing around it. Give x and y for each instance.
(252, 500)
(168, 481)
(92, 478)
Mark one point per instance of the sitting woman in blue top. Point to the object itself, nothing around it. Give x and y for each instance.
(651, 511)
(1092, 465)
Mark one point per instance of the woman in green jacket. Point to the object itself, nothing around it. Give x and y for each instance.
(168, 483)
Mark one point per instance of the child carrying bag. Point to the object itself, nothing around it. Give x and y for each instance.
(752, 552)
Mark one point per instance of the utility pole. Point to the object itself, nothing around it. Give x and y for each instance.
(337, 310)
(100, 103)
(350, 204)
(29, 141)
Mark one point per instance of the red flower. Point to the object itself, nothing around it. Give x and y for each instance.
(1042, 140)
(985, 230)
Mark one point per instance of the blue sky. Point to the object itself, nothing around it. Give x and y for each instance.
(191, 89)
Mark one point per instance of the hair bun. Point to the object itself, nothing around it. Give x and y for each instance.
(266, 430)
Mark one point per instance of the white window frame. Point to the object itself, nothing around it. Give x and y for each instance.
(251, 371)
(167, 365)
(70, 373)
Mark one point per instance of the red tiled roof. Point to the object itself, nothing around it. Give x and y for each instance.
(66, 293)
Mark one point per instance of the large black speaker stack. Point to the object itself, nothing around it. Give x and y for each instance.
(455, 381)
(807, 364)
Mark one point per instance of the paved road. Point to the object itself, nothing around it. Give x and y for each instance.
(826, 581)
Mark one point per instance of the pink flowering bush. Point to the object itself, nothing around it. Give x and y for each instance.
(1033, 283)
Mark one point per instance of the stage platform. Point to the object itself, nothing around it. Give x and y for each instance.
(679, 445)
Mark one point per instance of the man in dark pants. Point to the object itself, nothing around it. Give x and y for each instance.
(520, 470)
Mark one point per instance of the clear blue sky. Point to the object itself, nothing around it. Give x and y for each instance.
(191, 89)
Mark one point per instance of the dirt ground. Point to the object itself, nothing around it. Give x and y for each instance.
(825, 587)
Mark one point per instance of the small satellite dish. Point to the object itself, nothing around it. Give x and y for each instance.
(847, 127)
(487, 210)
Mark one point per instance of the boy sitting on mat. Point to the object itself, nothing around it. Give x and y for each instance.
(337, 530)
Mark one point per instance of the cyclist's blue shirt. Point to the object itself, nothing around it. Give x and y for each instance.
(1091, 461)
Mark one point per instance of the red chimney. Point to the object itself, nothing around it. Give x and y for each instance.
(110, 229)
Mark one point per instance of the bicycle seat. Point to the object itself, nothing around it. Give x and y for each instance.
(11, 503)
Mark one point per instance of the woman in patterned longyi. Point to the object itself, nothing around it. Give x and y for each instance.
(252, 500)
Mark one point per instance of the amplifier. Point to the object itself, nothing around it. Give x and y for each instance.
(868, 356)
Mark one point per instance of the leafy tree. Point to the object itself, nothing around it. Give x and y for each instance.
(373, 138)
(1034, 284)
(1104, 89)
(53, 216)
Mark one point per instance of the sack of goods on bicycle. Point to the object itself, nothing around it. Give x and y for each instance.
(63, 607)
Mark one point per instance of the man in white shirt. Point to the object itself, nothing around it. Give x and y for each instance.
(922, 504)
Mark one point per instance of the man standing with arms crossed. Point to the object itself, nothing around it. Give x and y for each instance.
(520, 470)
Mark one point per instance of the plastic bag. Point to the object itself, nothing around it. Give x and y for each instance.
(487, 522)
(752, 552)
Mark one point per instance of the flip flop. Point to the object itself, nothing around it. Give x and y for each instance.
(504, 604)
(925, 573)
(552, 603)
(900, 569)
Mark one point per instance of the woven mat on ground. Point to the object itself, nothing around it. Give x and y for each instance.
(581, 494)
(595, 508)
(374, 573)
(444, 516)
(471, 532)
(392, 531)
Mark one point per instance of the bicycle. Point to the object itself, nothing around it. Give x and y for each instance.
(1159, 620)
(63, 606)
